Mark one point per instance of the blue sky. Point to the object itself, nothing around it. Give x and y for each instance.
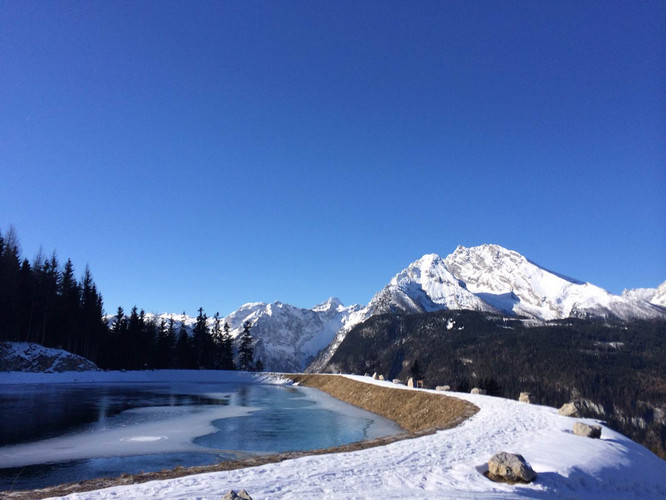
(216, 153)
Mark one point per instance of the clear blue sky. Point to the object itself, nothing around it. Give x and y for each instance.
(215, 153)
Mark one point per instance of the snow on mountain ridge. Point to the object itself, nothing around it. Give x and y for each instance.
(512, 283)
(655, 296)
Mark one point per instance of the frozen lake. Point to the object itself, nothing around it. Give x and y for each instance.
(55, 433)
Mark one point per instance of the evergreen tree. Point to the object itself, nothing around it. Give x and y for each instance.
(216, 334)
(203, 343)
(246, 351)
(184, 352)
(227, 350)
(10, 265)
(162, 358)
(69, 308)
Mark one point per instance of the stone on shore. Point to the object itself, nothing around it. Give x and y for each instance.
(510, 468)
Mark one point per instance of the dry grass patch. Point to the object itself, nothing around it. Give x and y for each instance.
(413, 410)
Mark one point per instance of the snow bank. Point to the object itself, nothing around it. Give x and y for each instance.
(31, 357)
(448, 464)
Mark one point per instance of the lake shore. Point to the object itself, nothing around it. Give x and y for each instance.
(418, 412)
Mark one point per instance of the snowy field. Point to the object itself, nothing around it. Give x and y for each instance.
(448, 464)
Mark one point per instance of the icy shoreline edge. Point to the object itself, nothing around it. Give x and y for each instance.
(376, 399)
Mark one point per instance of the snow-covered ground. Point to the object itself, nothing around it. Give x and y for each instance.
(448, 464)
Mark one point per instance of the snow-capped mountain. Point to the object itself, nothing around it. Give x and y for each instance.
(286, 338)
(656, 296)
(513, 284)
(493, 279)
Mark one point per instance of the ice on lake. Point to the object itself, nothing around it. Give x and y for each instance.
(67, 432)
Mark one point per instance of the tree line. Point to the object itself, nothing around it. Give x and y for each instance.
(43, 302)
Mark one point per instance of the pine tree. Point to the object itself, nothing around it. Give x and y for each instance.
(227, 350)
(10, 265)
(184, 354)
(203, 342)
(216, 334)
(69, 308)
(246, 351)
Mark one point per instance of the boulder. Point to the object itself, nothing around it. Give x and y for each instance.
(397, 381)
(381, 377)
(569, 410)
(510, 468)
(581, 408)
(443, 388)
(241, 495)
(524, 397)
(586, 430)
(375, 376)
(477, 390)
(410, 382)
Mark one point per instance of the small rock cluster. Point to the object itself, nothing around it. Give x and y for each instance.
(477, 390)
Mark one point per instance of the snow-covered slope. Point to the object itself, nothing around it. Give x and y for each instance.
(656, 296)
(425, 285)
(445, 465)
(31, 357)
(515, 285)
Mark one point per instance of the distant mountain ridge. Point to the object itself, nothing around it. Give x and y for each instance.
(487, 278)
(286, 337)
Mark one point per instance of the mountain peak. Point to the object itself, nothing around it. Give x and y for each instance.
(332, 303)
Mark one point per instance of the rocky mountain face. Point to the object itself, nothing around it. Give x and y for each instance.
(287, 338)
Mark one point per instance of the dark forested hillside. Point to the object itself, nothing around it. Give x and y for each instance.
(620, 367)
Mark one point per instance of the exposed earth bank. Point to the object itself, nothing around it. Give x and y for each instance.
(414, 411)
